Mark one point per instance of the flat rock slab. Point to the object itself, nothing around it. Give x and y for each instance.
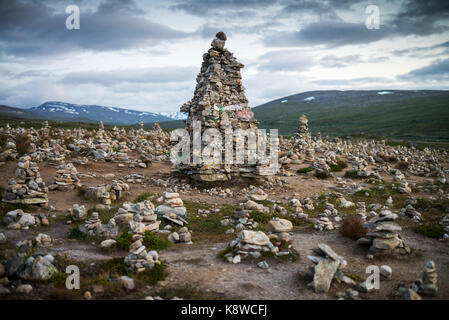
(324, 273)
(281, 225)
(254, 237)
(328, 251)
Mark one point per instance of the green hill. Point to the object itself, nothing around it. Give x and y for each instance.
(400, 114)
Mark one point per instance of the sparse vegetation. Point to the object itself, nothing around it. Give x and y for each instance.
(352, 174)
(305, 170)
(124, 240)
(351, 227)
(75, 233)
(154, 242)
(321, 174)
(430, 230)
(22, 144)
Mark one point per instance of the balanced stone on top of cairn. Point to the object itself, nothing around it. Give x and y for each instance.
(27, 187)
(219, 102)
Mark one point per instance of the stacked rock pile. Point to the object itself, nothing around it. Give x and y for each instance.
(298, 211)
(279, 230)
(17, 219)
(219, 102)
(411, 212)
(252, 244)
(360, 210)
(302, 140)
(428, 285)
(27, 187)
(139, 259)
(55, 159)
(326, 266)
(78, 212)
(9, 151)
(445, 223)
(383, 235)
(140, 216)
(240, 219)
(324, 221)
(66, 178)
(108, 192)
(94, 227)
(183, 235)
(172, 209)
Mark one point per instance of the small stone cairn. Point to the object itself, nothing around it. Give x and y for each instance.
(27, 187)
(66, 178)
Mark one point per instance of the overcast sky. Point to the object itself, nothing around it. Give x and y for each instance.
(145, 55)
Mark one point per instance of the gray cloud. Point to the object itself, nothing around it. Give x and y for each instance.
(329, 33)
(438, 70)
(285, 60)
(142, 75)
(221, 7)
(415, 17)
(34, 28)
(332, 61)
(422, 17)
(351, 82)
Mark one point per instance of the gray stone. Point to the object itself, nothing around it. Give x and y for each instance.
(254, 237)
(13, 265)
(163, 210)
(324, 273)
(280, 225)
(24, 288)
(328, 251)
(127, 282)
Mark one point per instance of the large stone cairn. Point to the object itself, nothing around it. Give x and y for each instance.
(27, 187)
(219, 102)
(66, 178)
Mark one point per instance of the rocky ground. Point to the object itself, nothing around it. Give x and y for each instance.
(196, 269)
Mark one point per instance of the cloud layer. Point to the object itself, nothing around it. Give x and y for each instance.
(146, 55)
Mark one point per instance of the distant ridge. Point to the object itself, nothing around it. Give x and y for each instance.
(112, 115)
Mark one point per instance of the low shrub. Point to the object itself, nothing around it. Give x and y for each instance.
(322, 174)
(22, 144)
(75, 233)
(351, 227)
(124, 240)
(153, 242)
(402, 165)
(305, 170)
(342, 163)
(352, 174)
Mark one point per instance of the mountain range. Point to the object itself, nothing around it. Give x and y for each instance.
(111, 115)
